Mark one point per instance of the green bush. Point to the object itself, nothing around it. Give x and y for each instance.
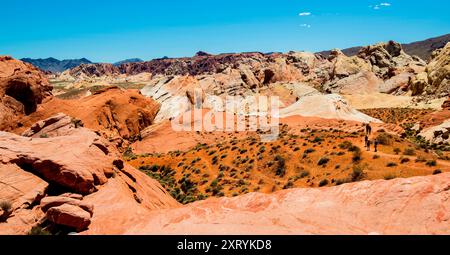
(391, 164)
(385, 139)
(345, 145)
(323, 161)
(357, 173)
(38, 231)
(431, 163)
(409, 152)
(281, 166)
(323, 182)
(357, 155)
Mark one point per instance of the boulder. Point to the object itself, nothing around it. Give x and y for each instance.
(53, 201)
(70, 216)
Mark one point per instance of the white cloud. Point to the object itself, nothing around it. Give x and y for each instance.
(379, 6)
(306, 25)
(304, 14)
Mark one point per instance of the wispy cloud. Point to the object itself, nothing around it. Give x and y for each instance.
(380, 5)
(306, 25)
(304, 14)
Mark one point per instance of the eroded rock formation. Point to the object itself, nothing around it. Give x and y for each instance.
(71, 177)
(22, 88)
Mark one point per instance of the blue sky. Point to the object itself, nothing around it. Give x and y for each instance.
(108, 31)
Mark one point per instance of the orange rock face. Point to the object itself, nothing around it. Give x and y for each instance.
(73, 178)
(113, 112)
(22, 88)
(418, 205)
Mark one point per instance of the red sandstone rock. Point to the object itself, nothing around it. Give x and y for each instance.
(418, 205)
(70, 216)
(49, 202)
(22, 88)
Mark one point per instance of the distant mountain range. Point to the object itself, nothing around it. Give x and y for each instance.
(55, 65)
(130, 60)
(422, 49)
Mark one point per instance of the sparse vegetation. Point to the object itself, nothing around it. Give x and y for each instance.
(391, 164)
(385, 139)
(323, 182)
(409, 152)
(38, 231)
(323, 161)
(5, 205)
(431, 163)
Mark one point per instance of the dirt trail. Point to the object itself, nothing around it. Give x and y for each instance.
(380, 153)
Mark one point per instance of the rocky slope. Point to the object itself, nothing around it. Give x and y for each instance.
(70, 181)
(435, 80)
(422, 49)
(115, 113)
(74, 181)
(22, 88)
(417, 205)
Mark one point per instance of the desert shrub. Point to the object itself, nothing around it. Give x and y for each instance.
(323, 161)
(404, 160)
(288, 185)
(129, 154)
(420, 159)
(281, 166)
(409, 152)
(77, 123)
(341, 181)
(317, 139)
(437, 171)
(431, 162)
(357, 173)
(38, 231)
(375, 156)
(357, 155)
(296, 148)
(309, 150)
(5, 205)
(323, 182)
(385, 139)
(391, 164)
(304, 173)
(345, 145)
(397, 151)
(389, 176)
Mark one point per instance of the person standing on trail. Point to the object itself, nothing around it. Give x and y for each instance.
(368, 129)
(368, 144)
(375, 145)
(366, 140)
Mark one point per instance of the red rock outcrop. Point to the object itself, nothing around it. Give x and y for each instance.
(72, 177)
(114, 112)
(70, 216)
(22, 88)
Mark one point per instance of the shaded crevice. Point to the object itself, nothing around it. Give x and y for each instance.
(22, 92)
